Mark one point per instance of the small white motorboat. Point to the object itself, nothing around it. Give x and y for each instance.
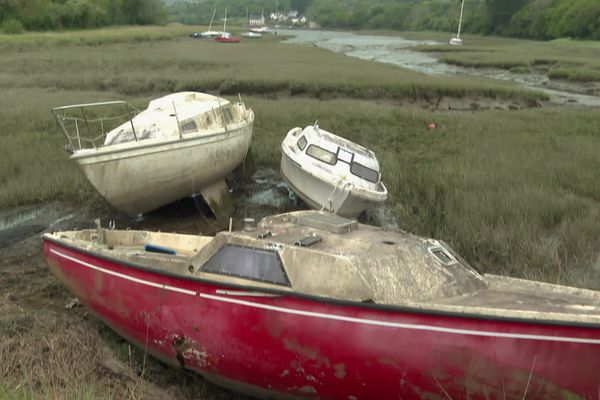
(331, 173)
(183, 144)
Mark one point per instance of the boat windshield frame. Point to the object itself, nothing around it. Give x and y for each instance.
(323, 160)
(365, 168)
(215, 264)
(304, 143)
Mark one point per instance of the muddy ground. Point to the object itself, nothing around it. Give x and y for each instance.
(50, 345)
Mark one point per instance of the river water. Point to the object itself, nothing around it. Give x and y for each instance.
(396, 50)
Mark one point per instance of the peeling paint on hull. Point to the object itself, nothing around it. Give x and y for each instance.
(296, 347)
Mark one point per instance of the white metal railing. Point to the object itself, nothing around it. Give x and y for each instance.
(94, 128)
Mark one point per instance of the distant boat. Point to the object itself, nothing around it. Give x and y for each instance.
(260, 29)
(251, 35)
(183, 144)
(331, 173)
(226, 37)
(457, 41)
(258, 25)
(209, 33)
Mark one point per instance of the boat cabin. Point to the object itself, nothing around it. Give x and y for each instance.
(334, 155)
(308, 252)
(312, 253)
(94, 125)
(322, 254)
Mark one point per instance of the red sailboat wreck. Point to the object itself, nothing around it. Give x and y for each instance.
(312, 305)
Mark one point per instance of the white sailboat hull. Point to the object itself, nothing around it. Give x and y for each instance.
(137, 177)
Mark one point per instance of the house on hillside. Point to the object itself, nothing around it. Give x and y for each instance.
(256, 21)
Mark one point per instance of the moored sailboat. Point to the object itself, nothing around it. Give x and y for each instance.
(224, 36)
(457, 41)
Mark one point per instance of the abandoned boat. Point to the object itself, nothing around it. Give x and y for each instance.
(331, 173)
(312, 305)
(183, 144)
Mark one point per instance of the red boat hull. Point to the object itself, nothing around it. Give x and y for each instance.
(298, 346)
(232, 39)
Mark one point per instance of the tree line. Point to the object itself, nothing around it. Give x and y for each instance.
(67, 14)
(200, 12)
(537, 19)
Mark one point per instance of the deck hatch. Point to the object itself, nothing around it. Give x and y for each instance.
(249, 263)
(327, 222)
(443, 255)
(308, 241)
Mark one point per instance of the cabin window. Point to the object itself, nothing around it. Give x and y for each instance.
(189, 126)
(301, 143)
(345, 156)
(321, 154)
(364, 172)
(227, 116)
(249, 263)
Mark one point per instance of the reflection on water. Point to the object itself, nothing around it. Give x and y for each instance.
(395, 50)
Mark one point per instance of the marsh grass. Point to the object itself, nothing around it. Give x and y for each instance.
(513, 192)
(562, 59)
(48, 363)
(93, 37)
(123, 64)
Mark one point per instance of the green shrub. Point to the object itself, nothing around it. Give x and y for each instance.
(12, 26)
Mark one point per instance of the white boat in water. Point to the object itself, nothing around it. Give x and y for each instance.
(331, 173)
(183, 144)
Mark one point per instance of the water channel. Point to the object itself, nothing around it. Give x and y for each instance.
(396, 50)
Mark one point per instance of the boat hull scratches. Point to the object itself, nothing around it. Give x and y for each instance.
(289, 347)
(137, 180)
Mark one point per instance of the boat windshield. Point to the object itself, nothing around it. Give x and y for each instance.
(249, 263)
(364, 172)
(301, 143)
(321, 154)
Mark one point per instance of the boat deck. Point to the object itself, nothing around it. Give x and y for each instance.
(362, 264)
(530, 299)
